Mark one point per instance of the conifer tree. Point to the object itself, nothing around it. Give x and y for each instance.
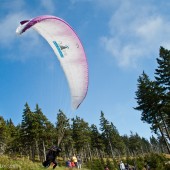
(97, 144)
(81, 135)
(148, 100)
(145, 145)
(62, 125)
(27, 137)
(3, 135)
(162, 76)
(163, 71)
(96, 138)
(113, 141)
(125, 139)
(12, 132)
(154, 144)
(39, 129)
(135, 144)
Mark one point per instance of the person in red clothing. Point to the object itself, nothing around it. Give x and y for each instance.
(72, 164)
(74, 159)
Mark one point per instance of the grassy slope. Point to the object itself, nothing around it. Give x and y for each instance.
(7, 163)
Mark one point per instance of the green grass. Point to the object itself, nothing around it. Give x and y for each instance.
(7, 163)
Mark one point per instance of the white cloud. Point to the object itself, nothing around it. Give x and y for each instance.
(136, 31)
(126, 55)
(155, 30)
(8, 27)
(150, 27)
(21, 44)
(25, 46)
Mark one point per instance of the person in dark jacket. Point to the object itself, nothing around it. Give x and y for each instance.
(51, 156)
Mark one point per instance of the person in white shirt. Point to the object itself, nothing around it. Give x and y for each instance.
(122, 166)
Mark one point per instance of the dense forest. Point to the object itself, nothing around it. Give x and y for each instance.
(35, 134)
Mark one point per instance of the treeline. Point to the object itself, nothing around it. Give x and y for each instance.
(36, 133)
(153, 98)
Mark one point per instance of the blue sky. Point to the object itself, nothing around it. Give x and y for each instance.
(121, 38)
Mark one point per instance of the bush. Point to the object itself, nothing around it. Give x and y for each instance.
(99, 164)
(153, 160)
(112, 164)
(7, 163)
(95, 164)
(140, 163)
(156, 161)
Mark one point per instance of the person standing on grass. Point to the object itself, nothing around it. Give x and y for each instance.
(122, 166)
(79, 162)
(74, 159)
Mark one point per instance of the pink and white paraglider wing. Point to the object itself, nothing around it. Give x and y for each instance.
(68, 49)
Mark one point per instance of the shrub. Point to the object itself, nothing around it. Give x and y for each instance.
(95, 164)
(156, 161)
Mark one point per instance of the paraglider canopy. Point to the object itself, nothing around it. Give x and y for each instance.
(68, 49)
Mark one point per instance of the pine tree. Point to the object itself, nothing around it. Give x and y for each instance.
(163, 71)
(81, 135)
(12, 132)
(67, 143)
(97, 144)
(113, 141)
(154, 144)
(96, 138)
(39, 130)
(62, 125)
(27, 137)
(162, 76)
(3, 135)
(145, 145)
(135, 144)
(149, 102)
(125, 139)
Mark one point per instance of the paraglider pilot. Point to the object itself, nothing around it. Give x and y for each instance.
(51, 156)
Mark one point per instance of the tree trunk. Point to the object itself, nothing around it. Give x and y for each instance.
(33, 153)
(30, 153)
(165, 126)
(111, 149)
(44, 152)
(89, 151)
(161, 131)
(37, 149)
(142, 151)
